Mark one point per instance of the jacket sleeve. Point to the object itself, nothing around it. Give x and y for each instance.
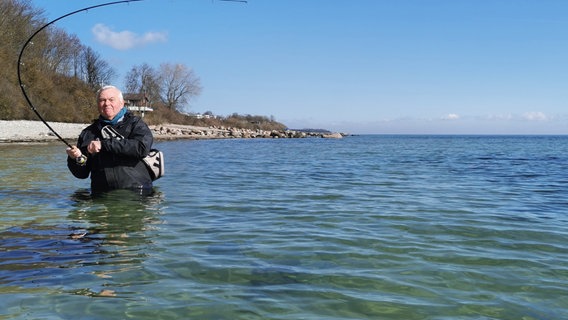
(79, 171)
(136, 145)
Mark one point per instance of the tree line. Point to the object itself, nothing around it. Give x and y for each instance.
(61, 75)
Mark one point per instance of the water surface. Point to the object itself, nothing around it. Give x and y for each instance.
(366, 227)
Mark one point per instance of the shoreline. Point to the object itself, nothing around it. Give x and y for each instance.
(32, 131)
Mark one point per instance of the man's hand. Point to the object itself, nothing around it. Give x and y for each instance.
(74, 152)
(94, 147)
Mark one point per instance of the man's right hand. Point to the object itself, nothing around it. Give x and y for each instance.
(74, 152)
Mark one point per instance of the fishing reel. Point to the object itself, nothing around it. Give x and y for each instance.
(82, 160)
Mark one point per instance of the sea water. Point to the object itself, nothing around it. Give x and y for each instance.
(364, 227)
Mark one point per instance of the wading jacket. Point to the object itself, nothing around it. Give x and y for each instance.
(119, 164)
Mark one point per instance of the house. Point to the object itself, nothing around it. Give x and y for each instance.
(201, 115)
(137, 102)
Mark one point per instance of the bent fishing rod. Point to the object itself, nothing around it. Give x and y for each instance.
(29, 41)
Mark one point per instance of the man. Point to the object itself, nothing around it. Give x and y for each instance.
(111, 149)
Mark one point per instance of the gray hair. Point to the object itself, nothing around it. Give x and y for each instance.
(103, 88)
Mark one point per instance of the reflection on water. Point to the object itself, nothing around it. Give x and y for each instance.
(104, 235)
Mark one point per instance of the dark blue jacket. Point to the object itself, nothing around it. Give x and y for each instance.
(119, 164)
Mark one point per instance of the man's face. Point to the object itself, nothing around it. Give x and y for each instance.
(109, 103)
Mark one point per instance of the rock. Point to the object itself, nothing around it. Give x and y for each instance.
(175, 131)
(334, 135)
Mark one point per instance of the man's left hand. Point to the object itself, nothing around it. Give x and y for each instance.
(94, 147)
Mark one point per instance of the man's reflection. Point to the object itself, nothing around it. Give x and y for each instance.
(106, 235)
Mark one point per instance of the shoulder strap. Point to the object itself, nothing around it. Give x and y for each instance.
(109, 132)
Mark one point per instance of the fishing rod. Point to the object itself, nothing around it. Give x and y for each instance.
(29, 41)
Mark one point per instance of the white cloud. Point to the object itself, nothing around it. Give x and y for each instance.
(451, 116)
(125, 40)
(534, 116)
(527, 116)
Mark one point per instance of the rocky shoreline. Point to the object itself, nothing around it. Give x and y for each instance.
(175, 131)
(24, 131)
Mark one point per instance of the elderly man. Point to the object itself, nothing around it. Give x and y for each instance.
(111, 149)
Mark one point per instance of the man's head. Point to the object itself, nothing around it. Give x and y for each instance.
(109, 101)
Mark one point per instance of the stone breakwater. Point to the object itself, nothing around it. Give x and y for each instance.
(36, 131)
(173, 131)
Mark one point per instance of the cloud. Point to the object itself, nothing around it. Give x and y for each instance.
(451, 116)
(534, 116)
(125, 40)
(527, 116)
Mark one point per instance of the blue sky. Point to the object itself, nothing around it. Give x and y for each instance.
(355, 66)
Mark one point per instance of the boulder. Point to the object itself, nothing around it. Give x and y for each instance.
(334, 135)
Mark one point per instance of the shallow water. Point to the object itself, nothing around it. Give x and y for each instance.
(366, 227)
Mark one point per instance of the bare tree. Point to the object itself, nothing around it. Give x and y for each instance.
(143, 79)
(61, 52)
(94, 70)
(77, 59)
(18, 19)
(178, 85)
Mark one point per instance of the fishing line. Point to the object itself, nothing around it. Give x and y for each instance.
(22, 86)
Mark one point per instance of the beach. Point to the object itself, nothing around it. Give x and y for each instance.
(36, 131)
(21, 131)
